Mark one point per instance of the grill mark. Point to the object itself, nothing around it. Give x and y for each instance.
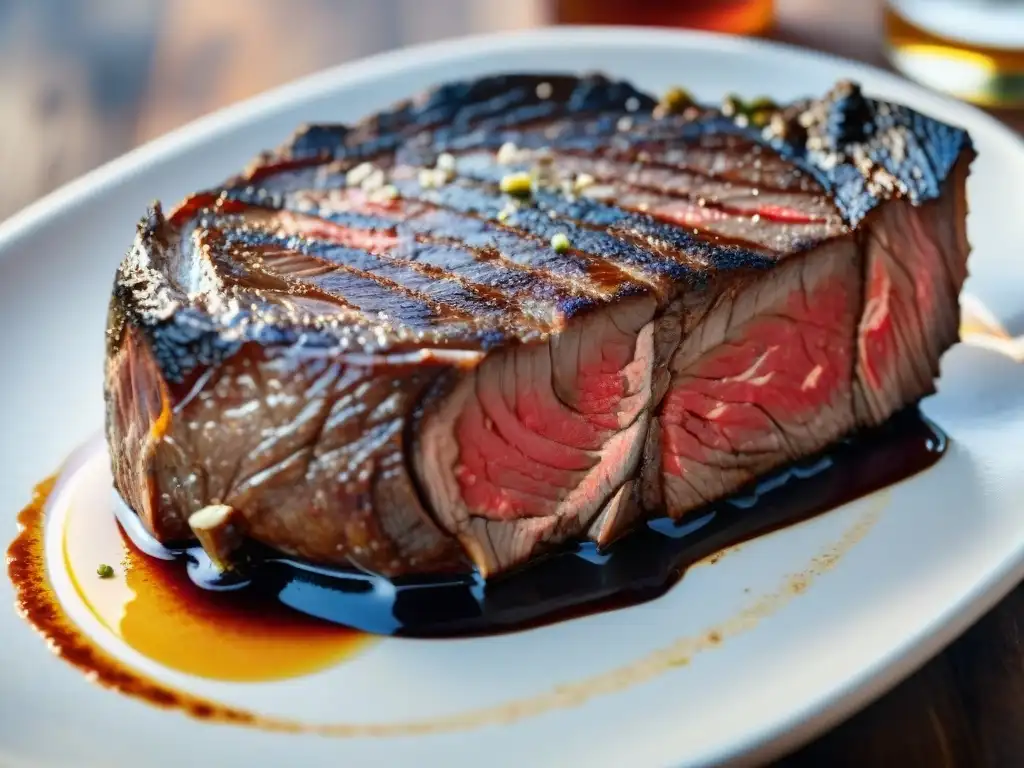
(435, 271)
(638, 231)
(440, 286)
(264, 168)
(260, 279)
(600, 277)
(493, 175)
(593, 226)
(670, 240)
(656, 160)
(601, 137)
(490, 240)
(529, 263)
(361, 291)
(424, 276)
(708, 235)
(771, 214)
(713, 230)
(373, 280)
(607, 249)
(292, 224)
(456, 109)
(481, 231)
(774, 214)
(377, 294)
(484, 167)
(595, 275)
(420, 143)
(509, 100)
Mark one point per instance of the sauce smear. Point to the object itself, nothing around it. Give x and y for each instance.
(155, 608)
(39, 606)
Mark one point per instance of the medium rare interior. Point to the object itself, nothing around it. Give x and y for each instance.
(764, 378)
(915, 262)
(529, 447)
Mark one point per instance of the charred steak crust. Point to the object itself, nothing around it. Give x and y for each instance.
(376, 355)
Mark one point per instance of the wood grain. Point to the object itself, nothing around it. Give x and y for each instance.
(82, 81)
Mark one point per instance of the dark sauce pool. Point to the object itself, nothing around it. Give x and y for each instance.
(580, 578)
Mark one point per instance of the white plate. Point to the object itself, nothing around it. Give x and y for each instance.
(919, 561)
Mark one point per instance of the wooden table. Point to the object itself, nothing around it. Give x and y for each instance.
(82, 81)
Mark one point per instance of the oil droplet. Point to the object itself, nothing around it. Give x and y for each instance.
(153, 607)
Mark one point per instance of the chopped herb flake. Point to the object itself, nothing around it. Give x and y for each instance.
(560, 243)
(518, 184)
(507, 154)
(762, 104)
(675, 100)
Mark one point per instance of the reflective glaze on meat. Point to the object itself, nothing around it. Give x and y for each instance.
(374, 346)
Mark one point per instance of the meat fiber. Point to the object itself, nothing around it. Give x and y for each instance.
(368, 346)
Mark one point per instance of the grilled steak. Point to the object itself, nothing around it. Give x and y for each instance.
(382, 354)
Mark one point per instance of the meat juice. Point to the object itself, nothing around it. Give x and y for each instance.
(641, 566)
(170, 585)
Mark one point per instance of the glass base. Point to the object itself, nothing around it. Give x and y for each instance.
(988, 76)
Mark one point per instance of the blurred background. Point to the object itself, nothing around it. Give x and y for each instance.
(82, 81)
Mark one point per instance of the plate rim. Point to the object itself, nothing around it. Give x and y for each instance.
(842, 697)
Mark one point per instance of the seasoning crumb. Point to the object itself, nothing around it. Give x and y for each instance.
(446, 161)
(731, 105)
(599, 192)
(105, 571)
(543, 171)
(777, 127)
(582, 181)
(560, 243)
(356, 176)
(374, 181)
(445, 167)
(431, 178)
(518, 184)
(508, 153)
(386, 193)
